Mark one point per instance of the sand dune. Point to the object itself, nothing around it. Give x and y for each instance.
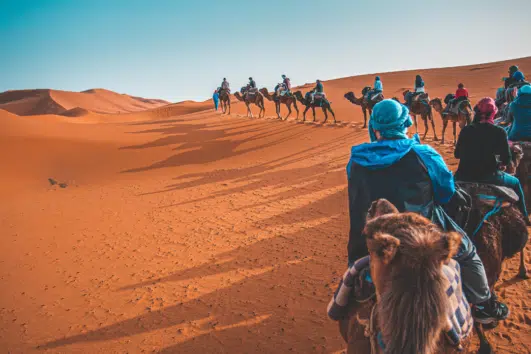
(180, 230)
(37, 102)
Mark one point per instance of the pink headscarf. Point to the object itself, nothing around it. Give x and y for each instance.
(486, 110)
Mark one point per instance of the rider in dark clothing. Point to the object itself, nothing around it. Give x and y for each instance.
(511, 80)
(477, 149)
(252, 83)
(414, 178)
(419, 88)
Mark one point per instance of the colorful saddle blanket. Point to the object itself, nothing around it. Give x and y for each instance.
(356, 286)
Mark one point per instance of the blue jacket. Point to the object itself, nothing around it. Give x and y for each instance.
(378, 85)
(520, 109)
(215, 97)
(410, 175)
(319, 87)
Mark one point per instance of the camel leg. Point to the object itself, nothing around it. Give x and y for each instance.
(522, 273)
(228, 102)
(304, 113)
(296, 109)
(445, 124)
(325, 114)
(277, 106)
(249, 112)
(425, 120)
(416, 124)
(430, 117)
(313, 110)
(455, 133)
(484, 345)
(333, 114)
(364, 118)
(289, 111)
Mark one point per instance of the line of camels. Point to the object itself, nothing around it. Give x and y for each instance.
(422, 107)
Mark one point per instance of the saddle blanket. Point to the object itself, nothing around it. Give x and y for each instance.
(459, 317)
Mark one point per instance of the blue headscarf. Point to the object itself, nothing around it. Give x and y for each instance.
(391, 119)
(519, 76)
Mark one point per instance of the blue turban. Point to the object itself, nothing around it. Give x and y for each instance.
(391, 119)
(519, 76)
(524, 90)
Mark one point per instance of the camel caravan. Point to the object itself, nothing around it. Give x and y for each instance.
(426, 246)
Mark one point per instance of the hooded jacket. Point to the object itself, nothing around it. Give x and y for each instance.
(410, 175)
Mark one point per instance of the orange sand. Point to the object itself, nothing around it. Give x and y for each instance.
(184, 231)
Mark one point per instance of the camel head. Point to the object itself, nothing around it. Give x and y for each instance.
(238, 96)
(405, 93)
(407, 256)
(436, 103)
(298, 95)
(265, 92)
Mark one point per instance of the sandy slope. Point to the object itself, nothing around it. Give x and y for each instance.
(189, 231)
(36, 102)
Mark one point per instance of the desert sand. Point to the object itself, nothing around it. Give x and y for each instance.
(180, 230)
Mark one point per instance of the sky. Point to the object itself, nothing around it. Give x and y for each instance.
(181, 49)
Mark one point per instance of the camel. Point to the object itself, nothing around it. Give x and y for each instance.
(224, 98)
(287, 100)
(257, 99)
(320, 102)
(365, 105)
(422, 107)
(521, 163)
(464, 116)
(407, 256)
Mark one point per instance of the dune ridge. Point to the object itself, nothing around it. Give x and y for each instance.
(47, 101)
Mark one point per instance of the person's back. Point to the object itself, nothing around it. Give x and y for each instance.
(225, 85)
(520, 114)
(419, 84)
(378, 86)
(319, 87)
(405, 183)
(477, 148)
(461, 93)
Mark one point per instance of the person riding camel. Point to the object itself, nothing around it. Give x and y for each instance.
(510, 80)
(414, 178)
(252, 84)
(461, 94)
(284, 88)
(318, 89)
(225, 85)
(477, 149)
(419, 89)
(520, 115)
(377, 88)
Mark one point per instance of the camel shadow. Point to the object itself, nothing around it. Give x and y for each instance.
(279, 288)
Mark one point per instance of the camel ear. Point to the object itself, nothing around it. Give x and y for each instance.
(384, 246)
(381, 207)
(450, 243)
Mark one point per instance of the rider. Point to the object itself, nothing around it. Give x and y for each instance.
(252, 84)
(317, 89)
(225, 85)
(520, 115)
(419, 88)
(461, 94)
(414, 178)
(510, 80)
(377, 88)
(283, 88)
(477, 148)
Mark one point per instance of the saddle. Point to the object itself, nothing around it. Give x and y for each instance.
(455, 106)
(489, 195)
(319, 95)
(420, 96)
(374, 97)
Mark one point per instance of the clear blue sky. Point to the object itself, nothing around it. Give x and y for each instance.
(178, 50)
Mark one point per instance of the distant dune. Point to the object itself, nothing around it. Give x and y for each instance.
(45, 101)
